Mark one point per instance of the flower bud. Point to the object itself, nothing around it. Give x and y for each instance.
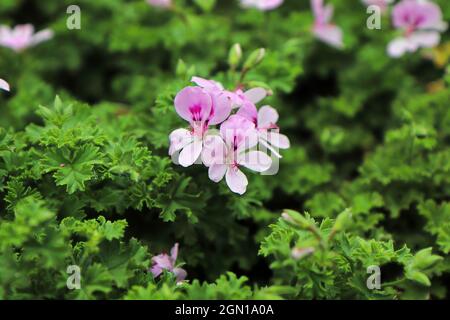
(235, 55)
(299, 253)
(181, 68)
(255, 58)
(343, 220)
(296, 218)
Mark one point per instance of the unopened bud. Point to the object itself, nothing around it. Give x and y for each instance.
(235, 55)
(255, 58)
(343, 220)
(296, 218)
(299, 253)
(181, 68)
(287, 217)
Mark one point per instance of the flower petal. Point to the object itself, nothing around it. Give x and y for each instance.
(329, 34)
(322, 13)
(41, 36)
(217, 171)
(263, 5)
(174, 253)
(190, 153)
(426, 39)
(156, 270)
(417, 14)
(397, 47)
(193, 104)
(264, 143)
(161, 262)
(221, 108)
(236, 180)
(207, 84)
(239, 133)
(214, 150)
(278, 140)
(179, 139)
(255, 160)
(267, 116)
(255, 95)
(249, 111)
(4, 85)
(180, 274)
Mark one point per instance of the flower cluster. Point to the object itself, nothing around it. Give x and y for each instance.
(22, 37)
(234, 146)
(420, 22)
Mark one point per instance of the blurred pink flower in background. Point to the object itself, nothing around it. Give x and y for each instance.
(163, 262)
(382, 4)
(4, 85)
(421, 23)
(323, 29)
(160, 3)
(22, 37)
(263, 5)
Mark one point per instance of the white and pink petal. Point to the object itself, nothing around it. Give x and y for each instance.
(193, 104)
(267, 117)
(178, 139)
(255, 95)
(4, 85)
(214, 150)
(216, 172)
(190, 153)
(255, 160)
(236, 180)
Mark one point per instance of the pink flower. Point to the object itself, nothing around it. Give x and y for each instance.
(263, 5)
(211, 86)
(265, 121)
(166, 4)
(421, 23)
(4, 85)
(238, 97)
(22, 37)
(323, 29)
(163, 262)
(382, 4)
(201, 109)
(225, 154)
(253, 96)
